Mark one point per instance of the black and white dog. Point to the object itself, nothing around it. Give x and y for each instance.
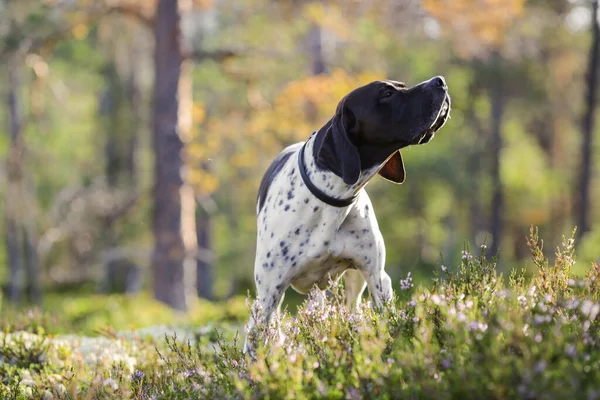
(315, 220)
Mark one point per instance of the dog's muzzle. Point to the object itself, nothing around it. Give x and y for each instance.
(439, 121)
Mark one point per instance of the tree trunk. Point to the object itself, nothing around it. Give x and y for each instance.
(315, 44)
(135, 103)
(14, 248)
(169, 251)
(205, 263)
(32, 266)
(477, 223)
(583, 201)
(120, 111)
(560, 209)
(497, 104)
(108, 111)
(137, 119)
(13, 251)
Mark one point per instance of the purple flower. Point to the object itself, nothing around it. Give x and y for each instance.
(571, 350)
(137, 375)
(540, 366)
(407, 283)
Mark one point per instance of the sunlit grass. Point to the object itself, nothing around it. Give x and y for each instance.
(470, 333)
(88, 313)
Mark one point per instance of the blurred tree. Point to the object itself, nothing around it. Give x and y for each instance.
(478, 29)
(587, 127)
(185, 129)
(169, 248)
(205, 267)
(14, 213)
(21, 208)
(497, 98)
(505, 160)
(123, 125)
(315, 45)
(552, 54)
(174, 221)
(119, 106)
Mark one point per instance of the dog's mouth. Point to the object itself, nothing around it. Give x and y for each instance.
(443, 115)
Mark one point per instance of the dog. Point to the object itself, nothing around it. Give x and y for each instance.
(315, 220)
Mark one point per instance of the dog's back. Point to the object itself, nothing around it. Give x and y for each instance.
(272, 172)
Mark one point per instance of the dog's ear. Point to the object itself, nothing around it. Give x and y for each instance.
(393, 168)
(337, 150)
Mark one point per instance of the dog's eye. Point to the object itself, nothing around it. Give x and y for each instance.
(387, 93)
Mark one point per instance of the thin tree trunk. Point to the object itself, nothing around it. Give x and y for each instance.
(134, 276)
(188, 198)
(234, 240)
(109, 104)
(477, 223)
(14, 249)
(585, 175)
(15, 260)
(120, 110)
(559, 206)
(111, 272)
(135, 100)
(169, 251)
(32, 267)
(497, 104)
(131, 166)
(205, 264)
(315, 44)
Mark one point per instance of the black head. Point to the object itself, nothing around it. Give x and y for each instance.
(373, 122)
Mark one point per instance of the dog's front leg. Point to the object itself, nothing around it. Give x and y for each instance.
(268, 301)
(378, 281)
(380, 288)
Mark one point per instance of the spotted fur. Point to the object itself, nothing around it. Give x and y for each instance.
(303, 242)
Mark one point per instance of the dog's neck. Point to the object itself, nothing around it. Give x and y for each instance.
(325, 180)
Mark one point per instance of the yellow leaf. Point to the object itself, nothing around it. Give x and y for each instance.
(315, 12)
(80, 31)
(485, 21)
(198, 113)
(202, 181)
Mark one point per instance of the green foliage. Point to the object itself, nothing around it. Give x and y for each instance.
(247, 108)
(467, 334)
(93, 314)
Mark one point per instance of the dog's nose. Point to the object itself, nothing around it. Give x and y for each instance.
(437, 81)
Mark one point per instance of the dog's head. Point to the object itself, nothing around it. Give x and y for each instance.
(373, 122)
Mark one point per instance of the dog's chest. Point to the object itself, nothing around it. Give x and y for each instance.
(293, 217)
(292, 213)
(302, 241)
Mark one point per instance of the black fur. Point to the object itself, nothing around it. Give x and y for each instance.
(268, 177)
(373, 122)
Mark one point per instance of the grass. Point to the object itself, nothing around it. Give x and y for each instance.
(471, 333)
(88, 313)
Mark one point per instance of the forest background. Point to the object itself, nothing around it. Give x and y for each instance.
(134, 134)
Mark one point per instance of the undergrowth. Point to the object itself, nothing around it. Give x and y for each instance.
(87, 313)
(470, 334)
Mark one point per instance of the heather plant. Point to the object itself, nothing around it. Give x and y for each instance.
(468, 334)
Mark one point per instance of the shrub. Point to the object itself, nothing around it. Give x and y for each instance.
(470, 334)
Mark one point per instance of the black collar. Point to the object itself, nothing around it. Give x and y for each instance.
(318, 193)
